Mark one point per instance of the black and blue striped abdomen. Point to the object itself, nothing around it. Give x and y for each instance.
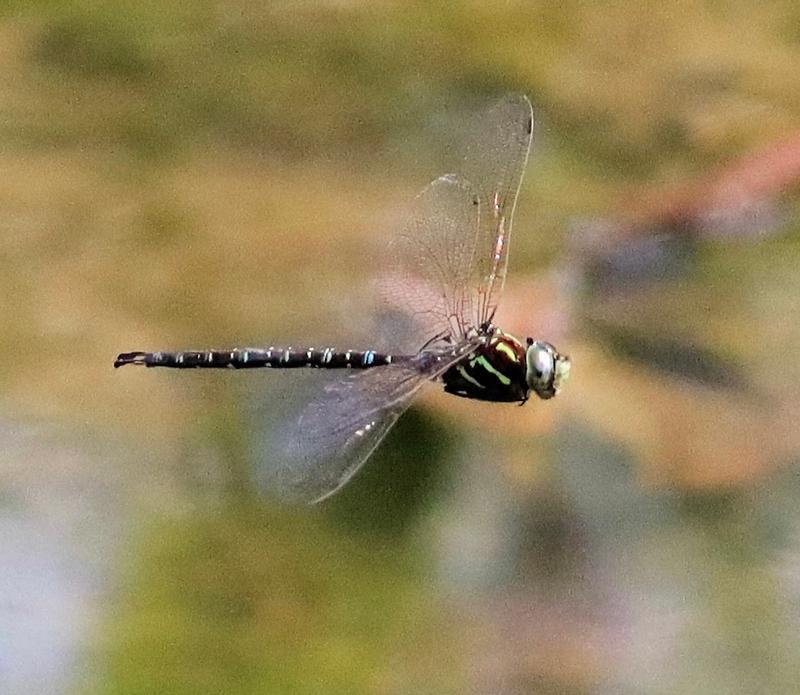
(254, 358)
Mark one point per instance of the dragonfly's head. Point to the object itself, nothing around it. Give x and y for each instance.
(546, 369)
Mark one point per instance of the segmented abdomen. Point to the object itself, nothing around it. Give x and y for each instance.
(252, 358)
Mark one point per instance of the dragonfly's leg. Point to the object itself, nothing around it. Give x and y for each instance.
(444, 335)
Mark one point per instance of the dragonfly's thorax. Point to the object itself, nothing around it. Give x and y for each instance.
(494, 372)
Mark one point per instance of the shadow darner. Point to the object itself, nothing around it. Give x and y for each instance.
(448, 267)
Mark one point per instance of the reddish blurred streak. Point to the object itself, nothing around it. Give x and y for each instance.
(766, 173)
(738, 201)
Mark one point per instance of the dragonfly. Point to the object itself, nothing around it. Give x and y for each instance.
(447, 267)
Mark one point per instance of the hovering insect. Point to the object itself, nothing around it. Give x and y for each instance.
(449, 261)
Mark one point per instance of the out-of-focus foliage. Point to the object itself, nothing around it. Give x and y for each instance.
(637, 89)
(232, 602)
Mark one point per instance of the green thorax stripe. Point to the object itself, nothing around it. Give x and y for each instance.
(489, 367)
(503, 353)
(505, 348)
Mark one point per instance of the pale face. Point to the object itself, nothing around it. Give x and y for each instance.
(546, 370)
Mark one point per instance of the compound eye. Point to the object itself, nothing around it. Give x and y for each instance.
(540, 362)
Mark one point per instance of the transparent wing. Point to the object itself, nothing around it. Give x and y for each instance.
(496, 153)
(428, 288)
(447, 262)
(341, 427)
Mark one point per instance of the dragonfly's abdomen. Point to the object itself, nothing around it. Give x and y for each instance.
(494, 372)
(253, 358)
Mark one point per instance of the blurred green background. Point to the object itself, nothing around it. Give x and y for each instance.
(207, 174)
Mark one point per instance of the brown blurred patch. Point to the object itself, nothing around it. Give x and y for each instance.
(684, 436)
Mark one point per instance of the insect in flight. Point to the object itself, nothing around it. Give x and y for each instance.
(448, 267)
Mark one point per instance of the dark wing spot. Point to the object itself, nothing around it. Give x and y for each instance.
(530, 125)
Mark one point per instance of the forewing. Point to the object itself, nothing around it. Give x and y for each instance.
(447, 262)
(494, 160)
(428, 287)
